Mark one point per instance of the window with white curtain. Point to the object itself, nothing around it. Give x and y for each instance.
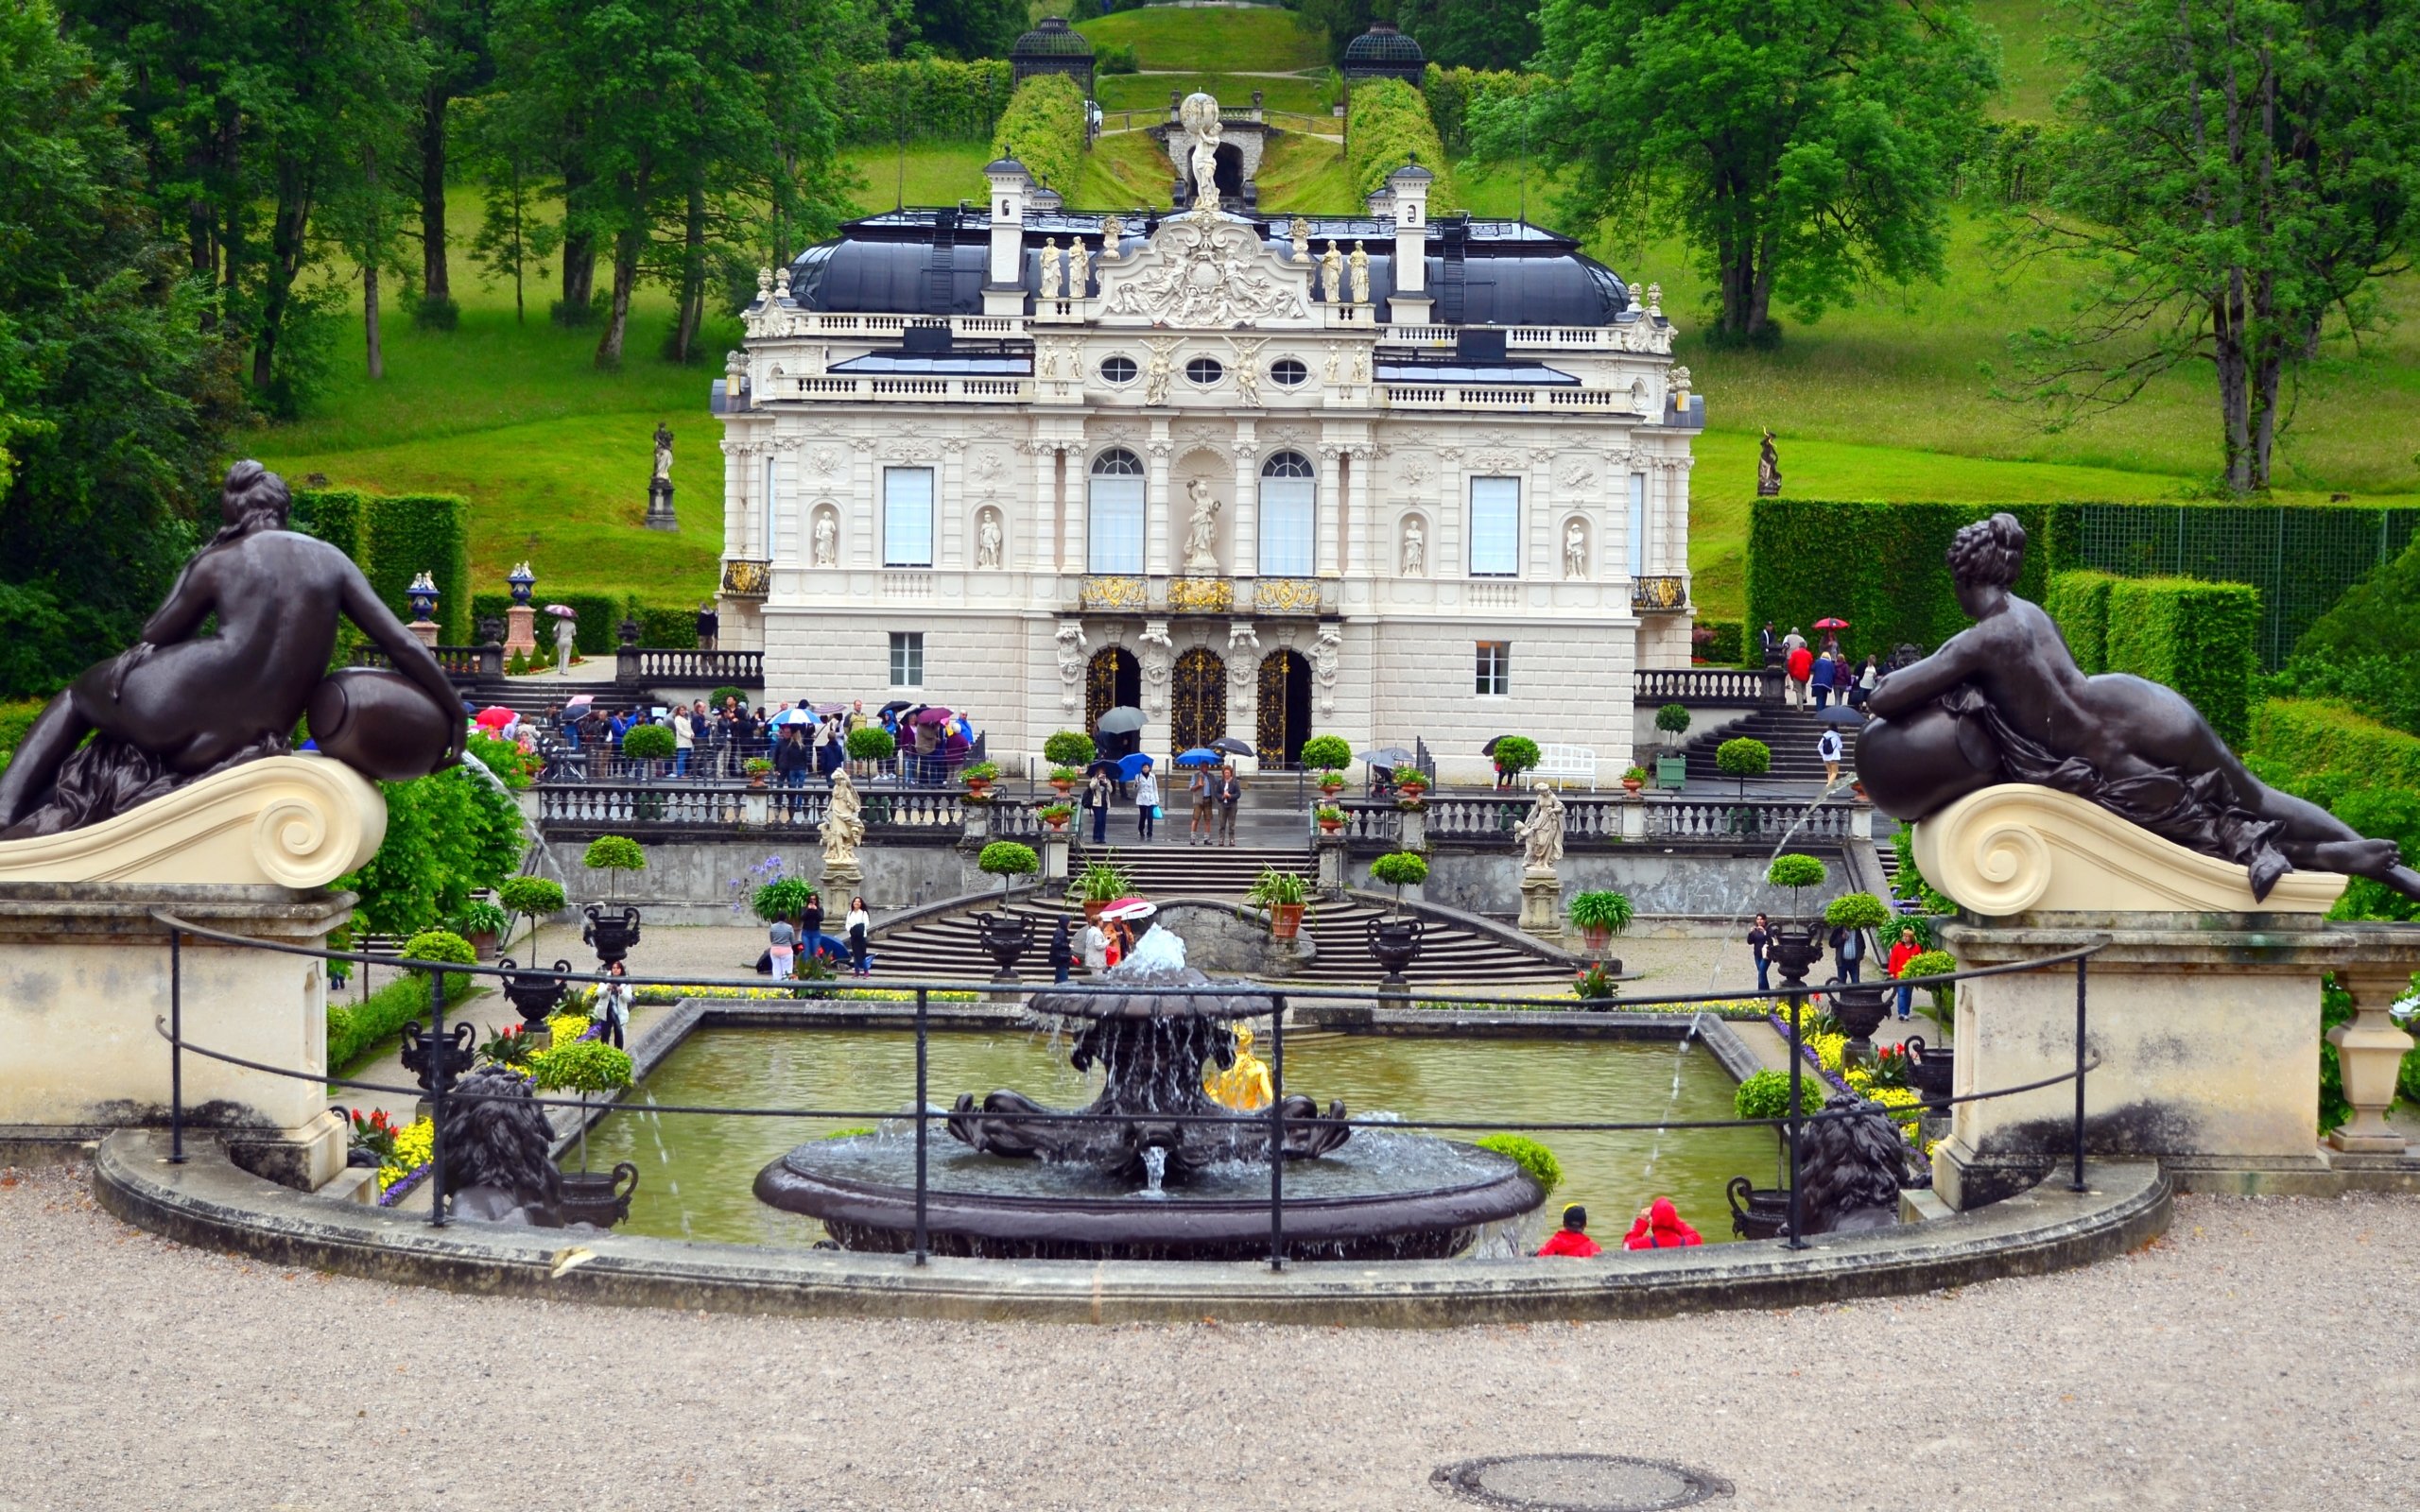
(1496, 527)
(907, 517)
(1113, 530)
(1289, 515)
(1639, 524)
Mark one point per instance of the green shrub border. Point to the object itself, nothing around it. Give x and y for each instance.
(1044, 129)
(2197, 638)
(1390, 127)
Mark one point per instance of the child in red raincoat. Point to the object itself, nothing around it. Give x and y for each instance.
(1572, 1238)
(1659, 1226)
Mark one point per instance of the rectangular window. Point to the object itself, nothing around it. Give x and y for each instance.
(907, 517)
(1287, 526)
(1639, 524)
(907, 659)
(1495, 668)
(1496, 527)
(1115, 531)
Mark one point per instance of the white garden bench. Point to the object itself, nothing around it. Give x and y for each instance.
(1562, 763)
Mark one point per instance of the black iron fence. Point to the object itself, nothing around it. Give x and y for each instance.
(1795, 993)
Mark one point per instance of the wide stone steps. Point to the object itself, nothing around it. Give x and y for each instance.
(1791, 734)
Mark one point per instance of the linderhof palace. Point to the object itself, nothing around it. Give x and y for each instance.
(1260, 475)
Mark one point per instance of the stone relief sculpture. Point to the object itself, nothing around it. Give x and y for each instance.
(1247, 369)
(1541, 833)
(1332, 273)
(177, 706)
(827, 539)
(2003, 701)
(1324, 657)
(1201, 528)
(1360, 275)
(1243, 658)
(1073, 651)
(1052, 270)
(1158, 652)
(987, 540)
(1575, 549)
(844, 824)
(1080, 269)
(1202, 273)
(1200, 116)
(1161, 372)
(1415, 548)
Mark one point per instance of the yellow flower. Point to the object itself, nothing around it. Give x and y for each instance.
(413, 1146)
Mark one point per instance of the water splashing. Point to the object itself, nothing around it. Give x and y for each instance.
(1155, 1170)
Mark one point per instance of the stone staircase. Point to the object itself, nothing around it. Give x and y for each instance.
(1790, 733)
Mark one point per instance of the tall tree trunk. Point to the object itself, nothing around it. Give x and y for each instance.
(627, 241)
(288, 247)
(693, 278)
(369, 318)
(579, 253)
(434, 284)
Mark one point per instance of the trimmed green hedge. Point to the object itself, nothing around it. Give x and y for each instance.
(938, 100)
(594, 632)
(1390, 126)
(15, 719)
(1455, 96)
(2195, 637)
(2079, 605)
(1044, 129)
(1879, 566)
(408, 534)
(1728, 645)
(2308, 735)
(333, 515)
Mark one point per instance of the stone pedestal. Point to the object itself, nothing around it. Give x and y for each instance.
(841, 876)
(1334, 872)
(2370, 1052)
(1054, 861)
(1413, 834)
(1634, 817)
(1541, 903)
(521, 630)
(427, 630)
(658, 506)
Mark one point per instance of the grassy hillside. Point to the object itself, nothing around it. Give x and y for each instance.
(1219, 41)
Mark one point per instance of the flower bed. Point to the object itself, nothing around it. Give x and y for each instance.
(1824, 1052)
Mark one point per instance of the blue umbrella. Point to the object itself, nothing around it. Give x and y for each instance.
(1132, 766)
(1198, 756)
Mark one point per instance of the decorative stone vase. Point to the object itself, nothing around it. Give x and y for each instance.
(424, 1049)
(756, 778)
(978, 786)
(483, 944)
(1758, 1212)
(1597, 940)
(1058, 825)
(1004, 937)
(2370, 1051)
(600, 1198)
(1394, 943)
(1860, 1010)
(1631, 785)
(535, 995)
(1285, 920)
(1330, 826)
(611, 937)
(1062, 788)
(1929, 1071)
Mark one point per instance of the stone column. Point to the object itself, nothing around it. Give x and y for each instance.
(949, 505)
(1243, 683)
(1448, 554)
(1245, 507)
(865, 488)
(1155, 501)
(1361, 527)
(1333, 871)
(1330, 507)
(1059, 500)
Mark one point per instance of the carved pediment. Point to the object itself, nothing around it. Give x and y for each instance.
(1206, 274)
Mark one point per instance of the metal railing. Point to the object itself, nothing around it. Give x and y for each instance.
(1792, 1125)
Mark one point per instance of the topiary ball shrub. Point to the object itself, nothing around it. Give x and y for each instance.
(1516, 754)
(726, 692)
(1766, 1094)
(440, 945)
(1327, 753)
(1528, 1155)
(530, 895)
(1795, 871)
(1068, 747)
(871, 744)
(652, 743)
(1400, 869)
(615, 852)
(1672, 719)
(1006, 858)
(1743, 758)
(1856, 910)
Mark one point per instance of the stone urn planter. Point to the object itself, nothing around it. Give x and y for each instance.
(535, 995)
(1758, 1212)
(1330, 826)
(1394, 942)
(1930, 1071)
(1093, 907)
(600, 1197)
(611, 937)
(1860, 1010)
(1633, 784)
(483, 944)
(424, 1049)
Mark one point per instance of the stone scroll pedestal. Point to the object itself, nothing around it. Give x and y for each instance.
(521, 630)
(85, 966)
(1541, 903)
(658, 506)
(2202, 1007)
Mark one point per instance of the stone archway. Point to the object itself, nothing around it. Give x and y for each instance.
(1197, 699)
(1114, 679)
(1284, 719)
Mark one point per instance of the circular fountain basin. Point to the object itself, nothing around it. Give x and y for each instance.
(1382, 1196)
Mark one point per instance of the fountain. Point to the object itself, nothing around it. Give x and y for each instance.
(1175, 1175)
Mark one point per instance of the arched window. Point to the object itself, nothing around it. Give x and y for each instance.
(1114, 532)
(1289, 515)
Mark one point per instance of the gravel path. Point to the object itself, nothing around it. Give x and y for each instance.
(2258, 1356)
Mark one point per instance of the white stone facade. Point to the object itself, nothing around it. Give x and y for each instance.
(1439, 512)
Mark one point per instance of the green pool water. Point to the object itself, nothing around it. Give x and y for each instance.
(696, 1171)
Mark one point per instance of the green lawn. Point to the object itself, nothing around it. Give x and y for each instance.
(1149, 92)
(1219, 41)
(1306, 175)
(2030, 78)
(929, 173)
(1124, 170)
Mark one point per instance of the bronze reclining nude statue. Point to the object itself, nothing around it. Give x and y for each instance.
(2003, 701)
(177, 706)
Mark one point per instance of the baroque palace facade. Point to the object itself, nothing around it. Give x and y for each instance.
(1259, 476)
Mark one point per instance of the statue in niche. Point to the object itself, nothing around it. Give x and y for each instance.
(987, 540)
(1575, 549)
(844, 824)
(1541, 833)
(1768, 469)
(1360, 275)
(663, 453)
(1360, 363)
(827, 540)
(1050, 268)
(1332, 273)
(2003, 701)
(177, 706)
(1415, 548)
(1200, 116)
(1327, 369)
(1201, 549)
(1080, 269)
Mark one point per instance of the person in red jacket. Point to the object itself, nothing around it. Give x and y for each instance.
(1802, 668)
(1901, 953)
(1572, 1238)
(1659, 1226)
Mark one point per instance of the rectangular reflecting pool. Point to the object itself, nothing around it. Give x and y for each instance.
(696, 1171)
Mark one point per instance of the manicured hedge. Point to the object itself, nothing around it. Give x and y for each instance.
(333, 515)
(2317, 735)
(938, 100)
(1390, 126)
(2079, 603)
(1879, 566)
(595, 632)
(15, 719)
(1725, 649)
(664, 627)
(1044, 129)
(413, 533)
(356, 1027)
(2195, 637)
(667, 627)
(1455, 94)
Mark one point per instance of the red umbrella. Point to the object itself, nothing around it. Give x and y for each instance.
(1829, 624)
(495, 716)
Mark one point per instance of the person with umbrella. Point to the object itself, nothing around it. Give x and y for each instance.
(1096, 792)
(566, 633)
(1231, 797)
(1146, 801)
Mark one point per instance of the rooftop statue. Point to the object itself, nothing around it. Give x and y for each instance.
(1200, 114)
(2003, 701)
(178, 705)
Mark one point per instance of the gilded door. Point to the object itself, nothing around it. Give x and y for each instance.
(1197, 699)
(1284, 709)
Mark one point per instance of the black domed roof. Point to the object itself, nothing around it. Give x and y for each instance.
(1054, 38)
(1383, 43)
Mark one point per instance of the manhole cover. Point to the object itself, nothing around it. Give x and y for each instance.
(1579, 1483)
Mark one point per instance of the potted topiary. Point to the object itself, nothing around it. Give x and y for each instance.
(1331, 818)
(649, 743)
(1006, 859)
(615, 854)
(979, 778)
(1598, 916)
(1285, 894)
(871, 746)
(531, 897)
(1064, 779)
(1400, 869)
(1633, 778)
(586, 1066)
(1100, 884)
(1515, 754)
(1069, 748)
(1674, 720)
(757, 768)
(1055, 816)
(1328, 755)
(480, 923)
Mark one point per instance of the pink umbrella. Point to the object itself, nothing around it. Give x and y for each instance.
(1130, 909)
(933, 716)
(565, 610)
(578, 698)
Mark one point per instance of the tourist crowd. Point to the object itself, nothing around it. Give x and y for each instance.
(800, 740)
